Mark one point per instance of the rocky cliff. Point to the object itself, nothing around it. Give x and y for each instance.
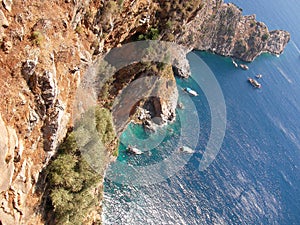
(223, 29)
(46, 49)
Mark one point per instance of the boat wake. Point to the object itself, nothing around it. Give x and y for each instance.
(284, 75)
(296, 47)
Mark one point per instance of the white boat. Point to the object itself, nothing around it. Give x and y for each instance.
(134, 150)
(234, 63)
(190, 91)
(186, 150)
(244, 66)
(254, 83)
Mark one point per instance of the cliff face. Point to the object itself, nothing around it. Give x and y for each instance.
(46, 48)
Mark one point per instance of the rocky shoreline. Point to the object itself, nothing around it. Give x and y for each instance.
(48, 47)
(229, 33)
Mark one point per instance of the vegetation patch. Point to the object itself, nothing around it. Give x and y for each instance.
(265, 37)
(152, 34)
(72, 181)
(37, 38)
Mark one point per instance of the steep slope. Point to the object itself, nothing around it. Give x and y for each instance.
(46, 49)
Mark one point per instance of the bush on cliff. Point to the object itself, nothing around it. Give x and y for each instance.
(265, 37)
(152, 34)
(72, 181)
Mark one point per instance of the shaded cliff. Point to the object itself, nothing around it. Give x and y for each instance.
(46, 49)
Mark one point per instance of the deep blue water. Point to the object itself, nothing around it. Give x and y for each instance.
(255, 178)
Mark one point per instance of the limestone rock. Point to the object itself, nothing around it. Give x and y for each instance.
(54, 126)
(7, 4)
(6, 213)
(222, 29)
(85, 57)
(3, 20)
(215, 27)
(8, 144)
(277, 41)
(163, 102)
(28, 69)
(32, 120)
(48, 87)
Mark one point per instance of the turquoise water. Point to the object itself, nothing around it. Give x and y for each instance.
(255, 177)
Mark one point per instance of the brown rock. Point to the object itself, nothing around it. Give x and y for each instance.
(6, 46)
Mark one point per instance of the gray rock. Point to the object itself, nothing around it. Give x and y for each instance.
(28, 69)
(47, 83)
(163, 102)
(54, 125)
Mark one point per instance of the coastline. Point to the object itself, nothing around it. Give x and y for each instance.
(44, 74)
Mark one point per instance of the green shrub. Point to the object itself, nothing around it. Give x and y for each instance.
(169, 24)
(79, 29)
(71, 179)
(265, 37)
(37, 38)
(152, 34)
(112, 7)
(120, 2)
(170, 37)
(252, 23)
(104, 125)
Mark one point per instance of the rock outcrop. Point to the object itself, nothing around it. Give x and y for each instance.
(151, 100)
(222, 29)
(7, 147)
(14, 182)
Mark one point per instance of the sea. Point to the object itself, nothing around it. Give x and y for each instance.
(254, 178)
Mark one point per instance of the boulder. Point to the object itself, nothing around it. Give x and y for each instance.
(7, 46)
